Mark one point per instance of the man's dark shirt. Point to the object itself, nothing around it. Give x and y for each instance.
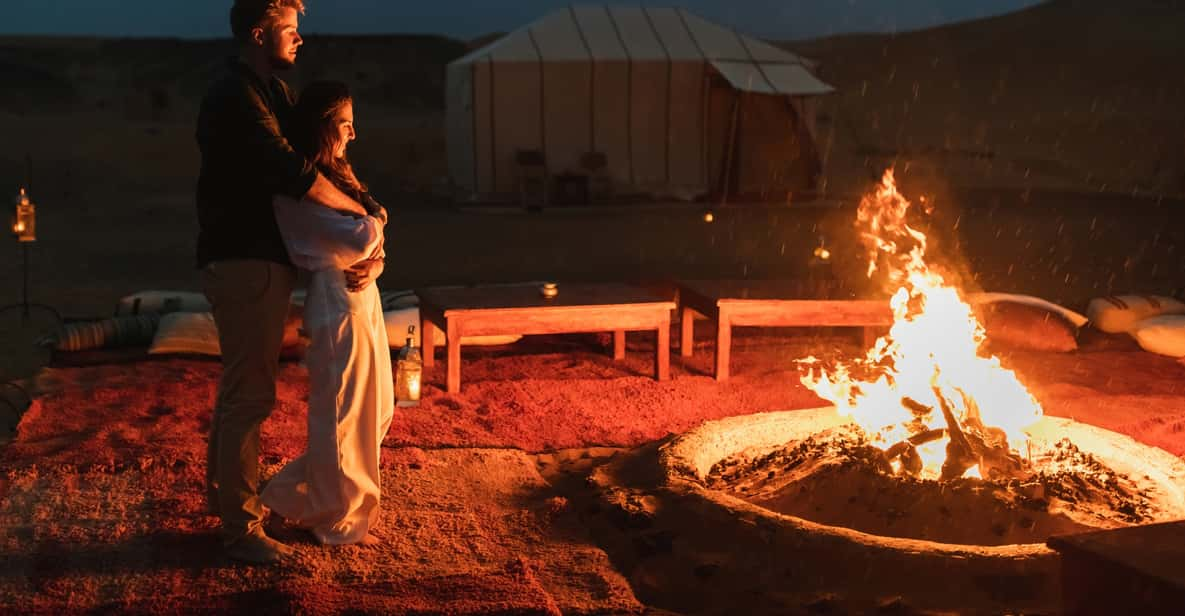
(245, 162)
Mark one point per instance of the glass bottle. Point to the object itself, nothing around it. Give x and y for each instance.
(408, 370)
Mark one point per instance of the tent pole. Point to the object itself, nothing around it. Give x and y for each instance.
(728, 154)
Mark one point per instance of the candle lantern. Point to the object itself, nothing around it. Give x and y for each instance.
(24, 224)
(408, 370)
(28, 316)
(820, 274)
(821, 254)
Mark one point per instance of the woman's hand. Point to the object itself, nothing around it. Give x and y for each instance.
(363, 274)
(374, 208)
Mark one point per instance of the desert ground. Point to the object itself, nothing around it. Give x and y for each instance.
(1050, 141)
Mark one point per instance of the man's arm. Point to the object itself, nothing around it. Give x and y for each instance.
(324, 192)
(283, 169)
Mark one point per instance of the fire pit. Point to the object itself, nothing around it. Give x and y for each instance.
(935, 476)
(837, 477)
(925, 573)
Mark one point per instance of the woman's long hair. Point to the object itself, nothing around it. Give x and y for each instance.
(315, 134)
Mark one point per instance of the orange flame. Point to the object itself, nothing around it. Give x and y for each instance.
(932, 348)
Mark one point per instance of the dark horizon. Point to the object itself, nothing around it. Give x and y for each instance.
(462, 19)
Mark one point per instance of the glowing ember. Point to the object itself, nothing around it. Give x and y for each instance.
(923, 393)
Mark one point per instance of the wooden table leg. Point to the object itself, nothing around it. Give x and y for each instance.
(869, 337)
(619, 344)
(686, 331)
(872, 333)
(723, 345)
(427, 342)
(662, 358)
(454, 357)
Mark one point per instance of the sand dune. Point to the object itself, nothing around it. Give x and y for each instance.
(1075, 94)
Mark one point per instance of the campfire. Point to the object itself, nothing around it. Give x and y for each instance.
(924, 393)
(933, 462)
(935, 439)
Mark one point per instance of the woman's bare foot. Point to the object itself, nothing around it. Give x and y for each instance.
(369, 541)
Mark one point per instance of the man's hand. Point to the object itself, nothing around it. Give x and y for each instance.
(323, 191)
(363, 274)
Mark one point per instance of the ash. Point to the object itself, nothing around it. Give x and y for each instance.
(837, 477)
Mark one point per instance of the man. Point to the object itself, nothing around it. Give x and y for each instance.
(245, 269)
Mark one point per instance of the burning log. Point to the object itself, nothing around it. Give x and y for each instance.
(959, 455)
(911, 461)
(916, 440)
(992, 436)
(920, 413)
(917, 408)
(975, 444)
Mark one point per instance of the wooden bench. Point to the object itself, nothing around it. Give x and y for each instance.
(522, 309)
(772, 303)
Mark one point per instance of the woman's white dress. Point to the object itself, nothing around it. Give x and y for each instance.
(333, 489)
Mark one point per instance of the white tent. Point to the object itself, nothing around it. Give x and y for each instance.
(677, 105)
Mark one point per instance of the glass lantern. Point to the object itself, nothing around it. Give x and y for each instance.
(408, 370)
(820, 275)
(24, 224)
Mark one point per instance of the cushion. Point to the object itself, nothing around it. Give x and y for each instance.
(986, 298)
(1164, 335)
(1116, 314)
(398, 321)
(186, 332)
(194, 333)
(125, 331)
(397, 300)
(1025, 326)
(161, 302)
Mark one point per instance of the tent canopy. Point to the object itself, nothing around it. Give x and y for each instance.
(632, 82)
(637, 34)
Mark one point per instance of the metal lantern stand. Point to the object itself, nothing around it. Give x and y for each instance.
(32, 318)
(27, 331)
(41, 317)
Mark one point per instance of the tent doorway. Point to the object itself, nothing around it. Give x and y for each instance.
(758, 146)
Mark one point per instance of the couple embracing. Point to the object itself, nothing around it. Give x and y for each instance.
(276, 192)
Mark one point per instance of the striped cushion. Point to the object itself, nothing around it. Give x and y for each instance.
(186, 333)
(196, 333)
(161, 302)
(107, 333)
(1117, 314)
(398, 300)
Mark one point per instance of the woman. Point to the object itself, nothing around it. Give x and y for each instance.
(333, 489)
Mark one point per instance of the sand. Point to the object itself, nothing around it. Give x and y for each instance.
(484, 507)
(837, 478)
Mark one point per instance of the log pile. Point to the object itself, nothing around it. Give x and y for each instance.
(971, 443)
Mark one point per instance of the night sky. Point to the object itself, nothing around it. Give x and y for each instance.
(777, 19)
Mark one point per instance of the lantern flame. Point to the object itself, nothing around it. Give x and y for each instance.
(927, 374)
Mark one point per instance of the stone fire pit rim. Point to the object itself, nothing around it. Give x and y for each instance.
(687, 459)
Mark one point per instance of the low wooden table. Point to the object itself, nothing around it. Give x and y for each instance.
(772, 303)
(1135, 570)
(522, 309)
